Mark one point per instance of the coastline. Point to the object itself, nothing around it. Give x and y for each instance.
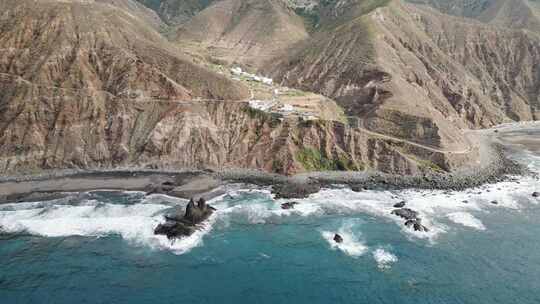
(494, 167)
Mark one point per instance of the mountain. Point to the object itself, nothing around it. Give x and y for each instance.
(247, 32)
(414, 73)
(357, 84)
(517, 14)
(175, 12)
(71, 71)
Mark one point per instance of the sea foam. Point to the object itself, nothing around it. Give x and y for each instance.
(350, 245)
(134, 223)
(384, 258)
(467, 220)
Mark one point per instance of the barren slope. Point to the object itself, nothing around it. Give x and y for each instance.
(420, 75)
(93, 85)
(248, 32)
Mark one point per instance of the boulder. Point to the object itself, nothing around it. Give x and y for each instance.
(288, 205)
(536, 194)
(400, 204)
(405, 213)
(494, 202)
(338, 238)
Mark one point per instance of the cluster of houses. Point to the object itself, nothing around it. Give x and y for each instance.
(273, 105)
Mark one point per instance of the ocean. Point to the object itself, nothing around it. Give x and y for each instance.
(98, 247)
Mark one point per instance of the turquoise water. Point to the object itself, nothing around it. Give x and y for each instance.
(98, 248)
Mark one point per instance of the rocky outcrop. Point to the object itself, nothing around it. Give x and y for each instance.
(178, 225)
(411, 219)
(416, 224)
(405, 213)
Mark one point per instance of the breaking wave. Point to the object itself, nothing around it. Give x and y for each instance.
(134, 223)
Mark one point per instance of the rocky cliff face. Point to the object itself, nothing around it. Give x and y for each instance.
(44, 129)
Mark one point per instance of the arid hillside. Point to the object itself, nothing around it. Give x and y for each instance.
(412, 72)
(247, 32)
(357, 84)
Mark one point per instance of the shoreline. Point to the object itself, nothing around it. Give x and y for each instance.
(206, 183)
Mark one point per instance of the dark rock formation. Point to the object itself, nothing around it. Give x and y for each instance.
(288, 205)
(494, 202)
(405, 213)
(400, 204)
(536, 194)
(416, 224)
(411, 217)
(178, 225)
(338, 238)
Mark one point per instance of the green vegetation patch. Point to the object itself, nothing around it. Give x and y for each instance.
(312, 160)
(273, 119)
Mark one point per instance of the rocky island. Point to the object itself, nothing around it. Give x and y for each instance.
(178, 224)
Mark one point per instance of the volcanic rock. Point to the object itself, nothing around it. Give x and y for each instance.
(405, 213)
(178, 225)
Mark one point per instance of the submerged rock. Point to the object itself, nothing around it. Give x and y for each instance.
(338, 238)
(178, 225)
(288, 205)
(400, 204)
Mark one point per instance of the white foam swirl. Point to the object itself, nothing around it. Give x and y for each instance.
(134, 223)
(467, 220)
(384, 258)
(350, 245)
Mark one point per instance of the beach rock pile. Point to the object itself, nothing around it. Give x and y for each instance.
(178, 225)
(412, 219)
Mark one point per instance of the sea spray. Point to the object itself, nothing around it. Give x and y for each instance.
(384, 258)
(351, 244)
